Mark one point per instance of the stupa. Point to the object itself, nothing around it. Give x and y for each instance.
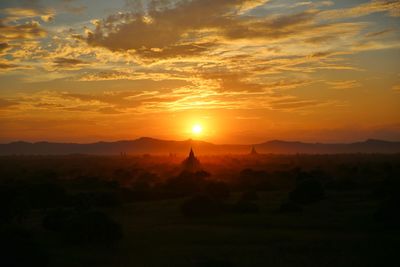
(191, 163)
(253, 151)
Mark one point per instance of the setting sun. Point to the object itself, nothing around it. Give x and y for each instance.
(199, 116)
(197, 129)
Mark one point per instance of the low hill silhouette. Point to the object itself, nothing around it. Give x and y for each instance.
(146, 145)
(368, 146)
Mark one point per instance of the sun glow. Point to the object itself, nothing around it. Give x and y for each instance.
(197, 129)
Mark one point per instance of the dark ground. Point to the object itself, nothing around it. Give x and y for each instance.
(354, 223)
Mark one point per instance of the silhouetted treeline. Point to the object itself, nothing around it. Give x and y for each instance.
(75, 200)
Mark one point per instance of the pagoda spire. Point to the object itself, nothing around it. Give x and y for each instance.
(191, 154)
(191, 163)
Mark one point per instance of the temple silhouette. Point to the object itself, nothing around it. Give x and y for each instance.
(191, 163)
(253, 151)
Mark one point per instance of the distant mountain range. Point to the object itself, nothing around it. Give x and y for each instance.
(147, 145)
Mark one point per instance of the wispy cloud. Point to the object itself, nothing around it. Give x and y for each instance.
(392, 7)
(344, 84)
(18, 13)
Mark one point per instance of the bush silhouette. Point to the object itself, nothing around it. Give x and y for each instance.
(187, 183)
(46, 195)
(200, 206)
(307, 191)
(250, 195)
(245, 207)
(388, 211)
(342, 185)
(13, 205)
(87, 200)
(217, 190)
(290, 207)
(83, 227)
(252, 179)
(213, 263)
(56, 220)
(388, 187)
(19, 249)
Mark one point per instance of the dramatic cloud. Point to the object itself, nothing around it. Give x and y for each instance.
(29, 30)
(168, 31)
(6, 66)
(4, 46)
(374, 6)
(287, 63)
(6, 103)
(17, 13)
(160, 28)
(61, 62)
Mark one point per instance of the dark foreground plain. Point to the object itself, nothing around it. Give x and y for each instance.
(260, 210)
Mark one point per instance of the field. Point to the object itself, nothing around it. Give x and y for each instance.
(344, 227)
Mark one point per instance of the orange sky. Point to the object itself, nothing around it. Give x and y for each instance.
(247, 71)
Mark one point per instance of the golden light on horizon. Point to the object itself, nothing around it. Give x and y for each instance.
(197, 129)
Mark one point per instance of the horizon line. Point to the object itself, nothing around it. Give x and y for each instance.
(199, 140)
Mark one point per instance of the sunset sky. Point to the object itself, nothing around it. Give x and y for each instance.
(245, 71)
